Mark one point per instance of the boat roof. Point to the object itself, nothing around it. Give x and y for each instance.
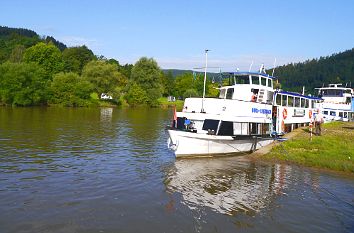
(298, 95)
(249, 73)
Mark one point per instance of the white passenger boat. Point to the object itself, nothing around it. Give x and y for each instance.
(244, 118)
(337, 102)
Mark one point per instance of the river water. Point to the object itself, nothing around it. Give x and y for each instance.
(109, 170)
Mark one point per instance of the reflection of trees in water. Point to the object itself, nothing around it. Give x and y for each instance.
(226, 185)
(42, 135)
(146, 124)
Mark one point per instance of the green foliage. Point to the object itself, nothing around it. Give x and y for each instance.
(10, 38)
(75, 58)
(69, 89)
(23, 84)
(47, 56)
(17, 54)
(104, 77)
(338, 68)
(190, 93)
(168, 83)
(188, 81)
(136, 95)
(147, 74)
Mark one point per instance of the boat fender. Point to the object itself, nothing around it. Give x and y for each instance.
(285, 113)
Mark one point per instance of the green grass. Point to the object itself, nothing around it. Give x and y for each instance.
(333, 150)
(164, 103)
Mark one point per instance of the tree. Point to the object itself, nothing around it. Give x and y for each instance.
(47, 56)
(17, 54)
(23, 84)
(69, 89)
(136, 95)
(168, 82)
(75, 58)
(103, 76)
(147, 74)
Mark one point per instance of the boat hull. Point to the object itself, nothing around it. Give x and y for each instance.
(188, 144)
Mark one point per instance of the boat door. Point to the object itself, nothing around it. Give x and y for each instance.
(274, 119)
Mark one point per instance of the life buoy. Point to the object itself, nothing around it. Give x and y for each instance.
(285, 113)
(310, 114)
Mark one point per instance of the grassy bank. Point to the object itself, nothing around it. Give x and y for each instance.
(165, 103)
(333, 150)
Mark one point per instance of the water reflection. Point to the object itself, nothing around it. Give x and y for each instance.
(226, 185)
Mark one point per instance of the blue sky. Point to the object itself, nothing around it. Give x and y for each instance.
(175, 33)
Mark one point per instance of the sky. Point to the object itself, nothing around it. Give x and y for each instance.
(176, 33)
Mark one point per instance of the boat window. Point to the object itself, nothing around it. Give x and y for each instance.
(302, 102)
(222, 93)
(242, 79)
(229, 93)
(210, 124)
(332, 113)
(312, 103)
(269, 82)
(270, 97)
(264, 81)
(325, 112)
(255, 80)
(348, 91)
(297, 101)
(306, 103)
(226, 128)
(240, 128)
(340, 114)
(284, 100)
(255, 128)
(278, 99)
(345, 114)
(290, 101)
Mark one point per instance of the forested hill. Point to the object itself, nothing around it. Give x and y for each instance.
(337, 68)
(16, 40)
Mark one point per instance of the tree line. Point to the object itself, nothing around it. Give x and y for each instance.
(43, 71)
(337, 68)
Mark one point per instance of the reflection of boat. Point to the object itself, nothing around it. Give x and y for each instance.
(337, 102)
(226, 185)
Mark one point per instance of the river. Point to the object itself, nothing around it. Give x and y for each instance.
(109, 170)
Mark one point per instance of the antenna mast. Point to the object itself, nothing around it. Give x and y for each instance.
(205, 74)
(250, 67)
(275, 60)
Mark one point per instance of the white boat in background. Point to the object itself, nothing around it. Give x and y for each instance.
(337, 102)
(245, 117)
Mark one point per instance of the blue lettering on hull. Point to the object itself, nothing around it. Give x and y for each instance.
(261, 111)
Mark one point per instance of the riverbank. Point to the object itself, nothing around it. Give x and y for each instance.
(334, 150)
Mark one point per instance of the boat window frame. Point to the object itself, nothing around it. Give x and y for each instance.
(291, 101)
(227, 93)
(325, 112)
(238, 79)
(278, 99)
(270, 82)
(332, 113)
(222, 92)
(263, 81)
(254, 77)
(284, 100)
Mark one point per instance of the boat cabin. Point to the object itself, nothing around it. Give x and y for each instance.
(255, 87)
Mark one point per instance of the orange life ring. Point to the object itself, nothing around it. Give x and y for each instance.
(310, 114)
(285, 113)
